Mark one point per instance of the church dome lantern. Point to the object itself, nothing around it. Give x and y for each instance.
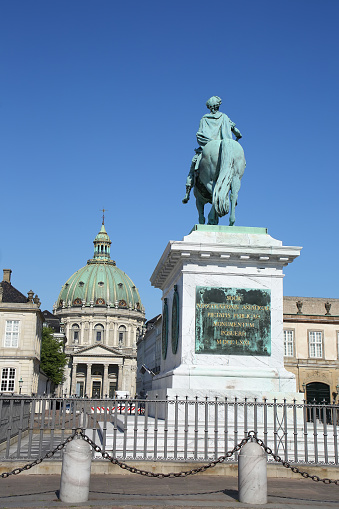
(102, 245)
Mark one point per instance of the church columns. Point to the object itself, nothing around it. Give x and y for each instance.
(65, 388)
(115, 335)
(88, 390)
(66, 331)
(106, 332)
(105, 381)
(109, 334)
(90, 338)
(82, 332)
(121, 382)
(126, 380)
(130, 336)
(74, 378)
(120, 377)
(133, 380)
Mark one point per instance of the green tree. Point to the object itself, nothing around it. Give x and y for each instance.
(53, 359)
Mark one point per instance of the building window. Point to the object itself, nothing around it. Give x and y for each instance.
(122, 335)
(12, 333)
(7, 380)
(99, 332)
(288, 343)
(76, 333)
(315, 341)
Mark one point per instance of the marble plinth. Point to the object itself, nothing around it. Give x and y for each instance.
(229, 258)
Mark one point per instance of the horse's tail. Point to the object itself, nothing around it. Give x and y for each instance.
(220, 198)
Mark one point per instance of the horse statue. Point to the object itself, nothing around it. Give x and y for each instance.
(217, 169)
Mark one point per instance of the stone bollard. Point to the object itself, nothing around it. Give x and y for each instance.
(252, 474)
(76, 472)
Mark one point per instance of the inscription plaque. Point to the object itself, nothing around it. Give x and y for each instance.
(233, 321)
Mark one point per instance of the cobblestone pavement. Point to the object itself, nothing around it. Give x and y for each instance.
(132, 492)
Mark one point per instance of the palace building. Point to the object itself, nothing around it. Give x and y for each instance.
(20, 331)
(101, 316)
(311, 346)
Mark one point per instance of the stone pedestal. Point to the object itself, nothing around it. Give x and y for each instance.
(223, 314)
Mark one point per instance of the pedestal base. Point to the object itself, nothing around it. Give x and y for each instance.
(224, 379)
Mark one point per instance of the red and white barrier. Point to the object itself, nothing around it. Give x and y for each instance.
(120, 409)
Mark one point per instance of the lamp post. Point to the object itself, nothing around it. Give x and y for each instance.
(336, 394)
(20, 384)
(304, 390)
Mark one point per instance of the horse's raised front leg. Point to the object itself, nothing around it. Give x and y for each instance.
(235, 187)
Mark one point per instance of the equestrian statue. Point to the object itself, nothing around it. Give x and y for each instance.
(217, 167)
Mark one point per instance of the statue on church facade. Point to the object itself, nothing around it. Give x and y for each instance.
(218, 165)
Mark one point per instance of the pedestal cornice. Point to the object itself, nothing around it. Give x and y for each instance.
(223, 246)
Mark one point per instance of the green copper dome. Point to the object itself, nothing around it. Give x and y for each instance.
(100, 282)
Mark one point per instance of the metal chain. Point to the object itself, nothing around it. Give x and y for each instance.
(286, 464)
(147, 473)
(39, 460)
(251, 436)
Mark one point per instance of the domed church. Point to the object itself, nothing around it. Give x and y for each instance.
(101, 315)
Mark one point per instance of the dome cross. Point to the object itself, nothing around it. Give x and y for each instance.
(103, 215)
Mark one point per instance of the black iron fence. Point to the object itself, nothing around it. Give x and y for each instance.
(14, 417)
(177, 429)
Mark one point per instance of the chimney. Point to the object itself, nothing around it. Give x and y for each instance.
(7, 275)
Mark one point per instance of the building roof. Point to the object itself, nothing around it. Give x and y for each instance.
(312, 306)
(51, 320)
(11, 294)
(150, 323)
(49, 316)
(100, 282)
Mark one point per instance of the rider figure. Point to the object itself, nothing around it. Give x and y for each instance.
(213, 126)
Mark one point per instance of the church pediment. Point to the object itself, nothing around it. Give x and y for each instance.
(98, 351)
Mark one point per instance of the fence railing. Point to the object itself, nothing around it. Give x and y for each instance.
(14, 416)
(177, 429)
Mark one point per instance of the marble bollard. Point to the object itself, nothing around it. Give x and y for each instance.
(76, 472)
(252, 474)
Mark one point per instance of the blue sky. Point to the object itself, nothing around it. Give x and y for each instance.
(99, 105)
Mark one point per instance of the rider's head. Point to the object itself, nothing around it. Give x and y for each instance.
(213, 103)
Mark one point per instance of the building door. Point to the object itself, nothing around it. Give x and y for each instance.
(112, 389)
(80, 389)
(318, 393)
(96, 389)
